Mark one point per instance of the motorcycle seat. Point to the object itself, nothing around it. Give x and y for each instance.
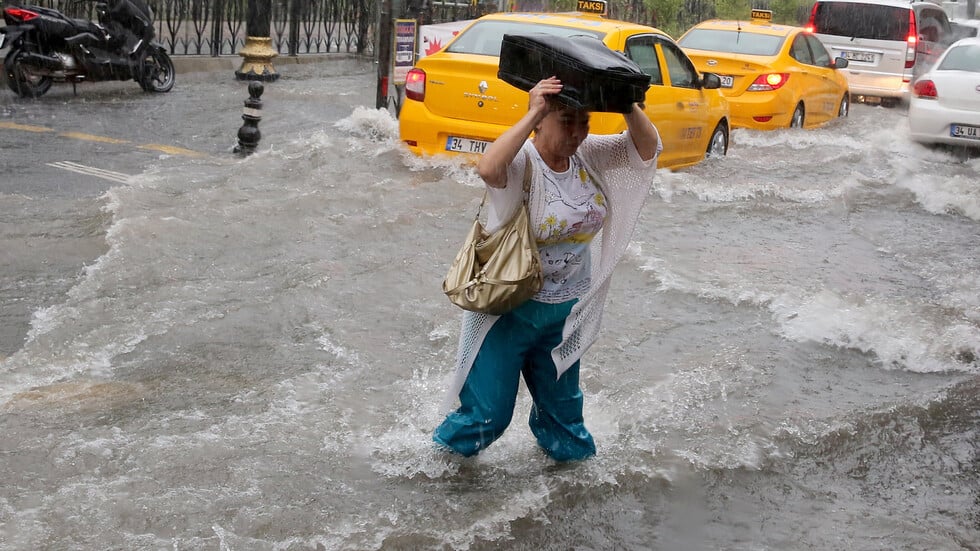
(87, 33)
(86, 26)
(86, 39)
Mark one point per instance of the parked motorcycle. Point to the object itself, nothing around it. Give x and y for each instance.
(46, 47)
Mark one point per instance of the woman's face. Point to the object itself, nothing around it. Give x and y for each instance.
(562, 130)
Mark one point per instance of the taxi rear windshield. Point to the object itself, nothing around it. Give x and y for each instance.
(484, 37)
(732, 42)
(870, 21)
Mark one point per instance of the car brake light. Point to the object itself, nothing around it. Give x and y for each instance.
(911, 42)
(925, 89)
(811, 25)
(415, 85)
(768, 82)
(20, 14)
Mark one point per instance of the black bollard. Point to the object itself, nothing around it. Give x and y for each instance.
(248, 134)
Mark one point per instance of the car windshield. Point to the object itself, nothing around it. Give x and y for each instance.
(733, 42)
(962, 58)
(858, 20)
(484, 37)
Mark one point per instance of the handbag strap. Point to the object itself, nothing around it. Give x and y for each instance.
(527, 184)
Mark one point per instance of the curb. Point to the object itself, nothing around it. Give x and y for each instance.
(231, 63)
(184, 64)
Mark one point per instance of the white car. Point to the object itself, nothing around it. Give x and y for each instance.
(945, 103)
(888, 43)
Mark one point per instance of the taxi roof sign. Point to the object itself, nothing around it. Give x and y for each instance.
(761, 16)
(594, 7)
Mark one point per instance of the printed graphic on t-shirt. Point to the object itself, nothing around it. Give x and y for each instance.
(569, 211)
(573, 208)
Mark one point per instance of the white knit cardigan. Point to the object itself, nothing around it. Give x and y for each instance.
(625, 180)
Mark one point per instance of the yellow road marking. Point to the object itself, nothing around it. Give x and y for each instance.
(26, 127)
(91, 137)
(171, 150)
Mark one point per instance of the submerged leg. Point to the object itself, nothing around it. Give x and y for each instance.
(556, 418)
(488, 396)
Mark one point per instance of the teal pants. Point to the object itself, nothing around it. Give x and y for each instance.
(520, 342)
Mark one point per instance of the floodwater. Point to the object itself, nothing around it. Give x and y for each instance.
(250, 354)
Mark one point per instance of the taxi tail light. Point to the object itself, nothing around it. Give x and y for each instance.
(925, 89)
(19, 14)
(911, 41)
(768, 82)
(415, 85)
(811, 25)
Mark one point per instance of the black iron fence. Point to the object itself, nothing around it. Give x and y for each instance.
(217, 27)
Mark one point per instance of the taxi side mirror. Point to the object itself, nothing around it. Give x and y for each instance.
(841, 63)
(710, 81)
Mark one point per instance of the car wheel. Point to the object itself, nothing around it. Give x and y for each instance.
(797, 120)
(845, 106)
(718, 145)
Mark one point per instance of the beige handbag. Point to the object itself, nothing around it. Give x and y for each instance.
(495, 273)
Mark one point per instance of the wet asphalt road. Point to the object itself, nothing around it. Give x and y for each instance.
(114, 129)
(61, 152)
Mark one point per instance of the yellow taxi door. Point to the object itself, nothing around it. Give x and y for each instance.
(674, 102)
(685, 103)
(829, 81)
(805, 79)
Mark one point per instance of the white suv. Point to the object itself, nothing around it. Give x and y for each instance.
(888, 43)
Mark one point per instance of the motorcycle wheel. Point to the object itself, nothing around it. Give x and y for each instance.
(20, 81)
(156, 71)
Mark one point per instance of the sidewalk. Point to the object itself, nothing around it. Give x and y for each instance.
(208, 64)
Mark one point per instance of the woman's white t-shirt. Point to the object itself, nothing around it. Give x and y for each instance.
(566, 211)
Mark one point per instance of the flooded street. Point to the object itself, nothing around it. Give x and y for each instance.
(250, 354)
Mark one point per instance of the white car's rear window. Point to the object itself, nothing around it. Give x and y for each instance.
(860, 20)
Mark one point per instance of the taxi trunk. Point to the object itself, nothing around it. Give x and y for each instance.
(736, 75)
(462, 88)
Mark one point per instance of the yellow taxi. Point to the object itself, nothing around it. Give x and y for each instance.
(774, 76)
(454, 102)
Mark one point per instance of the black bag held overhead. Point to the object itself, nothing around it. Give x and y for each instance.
(593, 76)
